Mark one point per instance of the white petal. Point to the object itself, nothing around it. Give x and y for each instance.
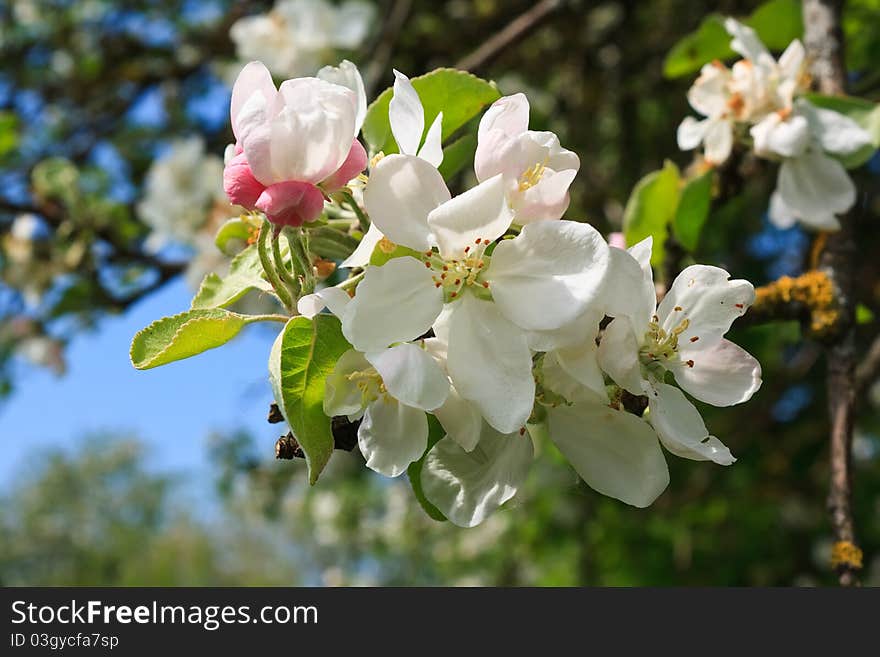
(680, 427)
(709, 301)
(432, 150)
(780, 214)
(788, 138)
(837, 133)
(411, 376)
(629, 292)
(467, 486)
(506, 118)
(615, 453)
(341, 395)
(253, 79)
(709, 93)
(481, 212)
(360, 257)
(335, 299)
(490, 363)
(401, 193)
(691, 132)
(392, 435)
(579, 379)
(549, 274)
(618, 355)
(406, 115)
(396, 302)
(718, 141)
(745, 40)
(816, 187)
(461, 420)
(723, 375)
(575, 333)
(347, 75)
(642, 253)
(791, 62)
(547, 200)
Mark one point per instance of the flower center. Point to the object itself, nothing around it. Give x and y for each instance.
(456, 274)
(660, 347)
(370, 383)
(532, 176)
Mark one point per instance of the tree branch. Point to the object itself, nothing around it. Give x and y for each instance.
(509, 35)
(824, 44)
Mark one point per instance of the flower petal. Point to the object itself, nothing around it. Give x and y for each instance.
(837, 133)
(614, 452)
(291, 203)
(239, 183)
(816, 187)
(490, 363)
(629, 291)
(411, 376)
(576, 378)
(481, 212)
(618, 355)
(745, 40)
(347, 75)
(396, 302)
(432, 150)
(706, 300)
(334, 298)
(341, 395)
(506, 118)
(548, 199)
(406, 115)
(253, 79)
(467, 486)
(392, 435)
(402, 191)
(549, 274)
(680, 427)
(718, 142)
(691, 132)
(360, 257)
(788, 138)
(354, 164)
(461, 420)
(723, 375)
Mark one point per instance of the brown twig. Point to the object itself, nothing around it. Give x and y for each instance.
(384, 47)
(823, 41)
(509, 35)
(869, 368)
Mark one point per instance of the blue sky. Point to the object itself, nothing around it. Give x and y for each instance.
(172, 408)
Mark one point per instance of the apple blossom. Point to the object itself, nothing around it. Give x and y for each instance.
(540, 280)
(390, 389)
(537, 171)
(293, 144)
(407, 119)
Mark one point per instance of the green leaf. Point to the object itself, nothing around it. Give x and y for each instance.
(414, 471)
(864, 315)
(650, 208)
(458, 94)
(302, 357)
(863, 112)
(458, 155)
(693, 210)
(8, 132)
(233, 235)
(710, 41)
(330, 243)
(186, 334)
(777, 22)
(245, 274)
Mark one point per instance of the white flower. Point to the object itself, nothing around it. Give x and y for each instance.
(180, 190)
(467, 486)
(812, 186)
(390, 389)
(407, 118)
(540, 280)
(685, 336)
(298, 36)
(537, 171)
(710, 95)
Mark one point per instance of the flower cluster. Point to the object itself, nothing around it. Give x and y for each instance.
(765, 98)
(489, 312)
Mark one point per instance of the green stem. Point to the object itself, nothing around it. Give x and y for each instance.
(299, 251)
(362, 218)
(351, 282)
(269, 268)
(268, 318)
(281, 267)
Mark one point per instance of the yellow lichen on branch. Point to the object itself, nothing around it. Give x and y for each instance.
(812, 292)
(846, 553)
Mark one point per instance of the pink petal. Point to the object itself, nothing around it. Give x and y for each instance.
(354, 164)
(291, 203)
(239, 183)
